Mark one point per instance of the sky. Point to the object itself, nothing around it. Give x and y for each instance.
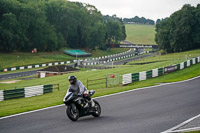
(151, 9)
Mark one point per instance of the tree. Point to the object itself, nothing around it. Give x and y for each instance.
(180, 31)
(52, 24)
(196, 31)
(158, 21)
(10, 32)
(115, 30)
(139, 20)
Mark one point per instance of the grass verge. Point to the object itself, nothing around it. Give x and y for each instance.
(166, 60)
(83, 75)
(140, 34)
(193, 132)
(27, 104)
(20, 59)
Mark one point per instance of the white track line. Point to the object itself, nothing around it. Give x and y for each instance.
(171, 130)
(100, 97)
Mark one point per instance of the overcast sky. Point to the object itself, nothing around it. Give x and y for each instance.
(152, 9)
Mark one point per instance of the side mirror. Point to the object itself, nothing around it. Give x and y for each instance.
(92, 92)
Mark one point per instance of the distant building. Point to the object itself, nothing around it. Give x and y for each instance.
(55, 70)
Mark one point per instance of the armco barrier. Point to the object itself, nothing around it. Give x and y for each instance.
(95, 61)
(58, 63)
(25, 92)
(129, 78)
(34, 66)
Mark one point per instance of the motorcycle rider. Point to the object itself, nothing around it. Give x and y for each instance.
(78, 88)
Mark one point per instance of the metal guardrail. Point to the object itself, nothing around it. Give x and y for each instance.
(34, 66)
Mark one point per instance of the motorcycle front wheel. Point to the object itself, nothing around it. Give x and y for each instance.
(97, 107)
(72, 112)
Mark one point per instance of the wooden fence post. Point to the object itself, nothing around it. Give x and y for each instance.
(106, 81)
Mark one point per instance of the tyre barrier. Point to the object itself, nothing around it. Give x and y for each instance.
(25, 92)
(132, 77)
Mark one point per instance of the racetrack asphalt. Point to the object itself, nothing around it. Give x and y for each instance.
(17, 75)
(150, 110)
(124, 61)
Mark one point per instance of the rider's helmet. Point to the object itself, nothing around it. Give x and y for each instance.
(72, 79)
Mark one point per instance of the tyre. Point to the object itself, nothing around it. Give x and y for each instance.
(97, 107)
(72, 112)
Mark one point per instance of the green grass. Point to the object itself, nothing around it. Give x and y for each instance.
(20, 59)
(98, 52)
(168, 59)
(193, 132)
(25, 104)
(140, 34)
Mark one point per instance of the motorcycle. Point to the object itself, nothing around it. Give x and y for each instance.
(76, 106)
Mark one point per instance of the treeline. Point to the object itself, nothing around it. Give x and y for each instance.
(138, 20)
(115, 29)
(53, 24)
(181, 31)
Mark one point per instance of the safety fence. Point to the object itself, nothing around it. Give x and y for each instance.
(103, 59)
(98, 67)
(107, 59)
(27, 91)
(62, 63)
(34, 66)
(132, 77)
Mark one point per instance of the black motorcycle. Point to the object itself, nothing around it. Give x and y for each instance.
(76, 106)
